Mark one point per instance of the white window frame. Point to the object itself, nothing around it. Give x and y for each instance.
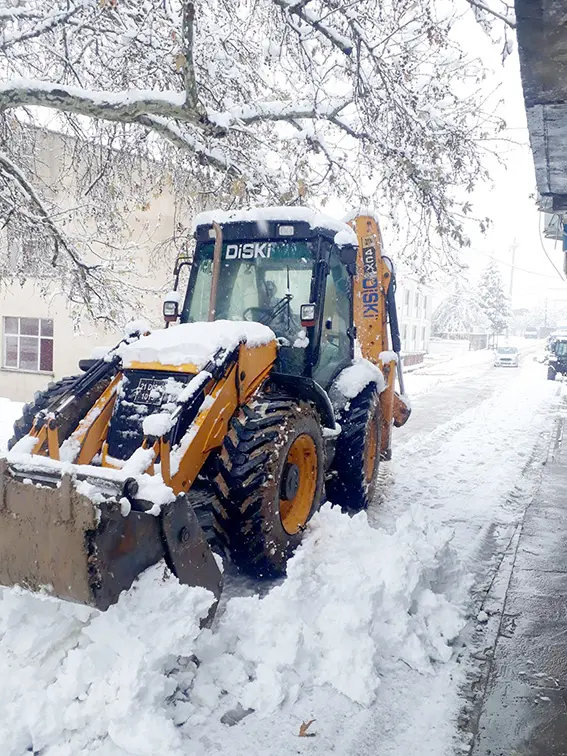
(39, 338)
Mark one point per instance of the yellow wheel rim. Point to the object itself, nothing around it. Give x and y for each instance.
(371, 450)
(295, 511)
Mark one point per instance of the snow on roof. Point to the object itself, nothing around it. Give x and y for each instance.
(282, 213)
(194, 343)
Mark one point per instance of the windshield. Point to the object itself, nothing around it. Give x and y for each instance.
(560, 348)
(262, 281)
(507, 350)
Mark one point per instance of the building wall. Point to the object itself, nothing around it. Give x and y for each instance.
(414, 303)
(68, 345)
(146, 230)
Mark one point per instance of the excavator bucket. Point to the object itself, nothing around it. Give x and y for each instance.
(84, 527)
(55, 539)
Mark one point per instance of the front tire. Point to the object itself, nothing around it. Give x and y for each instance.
(269, 483)
(551, 373)
(357, 455)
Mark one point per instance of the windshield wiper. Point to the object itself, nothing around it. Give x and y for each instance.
(280, 305)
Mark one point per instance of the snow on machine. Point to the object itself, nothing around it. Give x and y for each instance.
(221, 431)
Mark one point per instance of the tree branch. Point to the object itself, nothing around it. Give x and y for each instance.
(125, 106)
(188, 32)
(12, 170)
(344, 44)
(281, 111)
(171, 131)
(487, 9)
(42, 27)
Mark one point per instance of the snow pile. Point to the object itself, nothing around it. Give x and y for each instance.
(72, 676)
(24, 445)
(173, 296)
(356, 600)
(137, 326)
(346, 237)
(388, 356)
(352, 380)
(194, 343)
(279, 214)
(157, 424)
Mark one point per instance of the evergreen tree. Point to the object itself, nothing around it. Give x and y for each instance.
(494, 302)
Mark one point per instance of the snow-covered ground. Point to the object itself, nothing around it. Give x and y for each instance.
(367, 635)
(9, 413)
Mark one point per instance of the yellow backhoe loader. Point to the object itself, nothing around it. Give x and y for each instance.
(271, 387)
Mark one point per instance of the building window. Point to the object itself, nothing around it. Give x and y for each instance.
(405, 333)
(406, 302)
(423, 337)
(417, 304)
(425, 305)
(28, 344)
(414, 336)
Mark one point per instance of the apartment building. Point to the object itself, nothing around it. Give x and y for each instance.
(414, 302)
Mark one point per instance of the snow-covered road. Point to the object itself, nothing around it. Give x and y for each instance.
(367, 635)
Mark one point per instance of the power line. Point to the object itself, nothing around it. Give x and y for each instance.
(517, 267)
(545, 251)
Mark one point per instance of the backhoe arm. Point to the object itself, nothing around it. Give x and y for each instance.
(374, 308)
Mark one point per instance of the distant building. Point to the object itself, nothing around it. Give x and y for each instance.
(40, 341)
(414, 303)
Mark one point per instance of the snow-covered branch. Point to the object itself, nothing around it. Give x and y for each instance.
(313, 20)
(186, 57)
(9, 169)
(507, 18)
(364, 102)
(279, 111)
(125, 106)
(43, 26)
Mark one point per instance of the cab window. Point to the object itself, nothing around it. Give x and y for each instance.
(336, 346)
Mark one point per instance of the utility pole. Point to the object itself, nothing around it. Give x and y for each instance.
(514, 247)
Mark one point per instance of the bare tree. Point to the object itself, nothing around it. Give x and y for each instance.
(261, 100)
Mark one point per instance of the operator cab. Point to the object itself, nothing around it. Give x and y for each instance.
(270, 272)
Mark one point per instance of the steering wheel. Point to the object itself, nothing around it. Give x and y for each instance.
(255, 313)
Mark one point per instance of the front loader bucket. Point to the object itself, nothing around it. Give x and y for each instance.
(54, 539)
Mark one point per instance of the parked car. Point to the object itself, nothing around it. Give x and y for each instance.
(506, 356)
(531, 333)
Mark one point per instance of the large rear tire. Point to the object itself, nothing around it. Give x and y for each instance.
(357, 455)
(269, 483)
(551, 373)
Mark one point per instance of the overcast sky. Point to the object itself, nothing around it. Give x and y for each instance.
(510, 202)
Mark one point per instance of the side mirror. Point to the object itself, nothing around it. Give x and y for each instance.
(348, 254)
(171, 307)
